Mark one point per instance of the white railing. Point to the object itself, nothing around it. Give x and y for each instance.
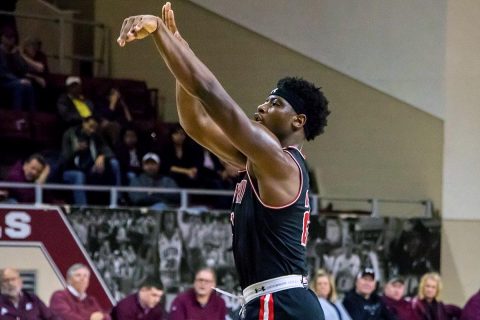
(372, 206)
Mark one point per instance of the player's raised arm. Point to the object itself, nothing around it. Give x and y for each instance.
(192, 115)
(252, 139)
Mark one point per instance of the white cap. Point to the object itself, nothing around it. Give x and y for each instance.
(151, 156)
(72, 79)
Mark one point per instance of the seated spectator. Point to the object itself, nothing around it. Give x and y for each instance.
(363, 302)
(16, 303)
(129, 155)
(471, 311)
(87, 159)
(324, 287)
(181, 159)
(200, 302)
(13, 72)
(114, 114)
(73, 303)
(34, 169)
(426, 304)
(151, 177)
(37, 68)
(393, 298)
(209, 170)
(72, 106)
(142, 305)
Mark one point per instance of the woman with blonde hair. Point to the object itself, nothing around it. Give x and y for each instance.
(323, 285)
(427, 304)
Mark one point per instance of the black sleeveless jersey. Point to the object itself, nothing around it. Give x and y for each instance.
(270, 242)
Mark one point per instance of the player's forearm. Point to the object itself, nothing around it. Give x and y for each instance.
(191, 113)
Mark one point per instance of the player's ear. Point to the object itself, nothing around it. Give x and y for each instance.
(299, 121)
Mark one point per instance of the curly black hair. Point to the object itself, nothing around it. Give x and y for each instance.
(316, 105)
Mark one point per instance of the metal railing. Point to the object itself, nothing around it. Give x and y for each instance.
(370, 206)
(101, 60)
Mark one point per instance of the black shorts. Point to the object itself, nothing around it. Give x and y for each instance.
(291, 304)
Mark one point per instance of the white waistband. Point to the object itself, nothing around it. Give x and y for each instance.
(273, 285)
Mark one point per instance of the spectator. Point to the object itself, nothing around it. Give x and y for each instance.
(471, 311)
(363, 302)
(151, 178)
(73, 303)
(87, 159)
(72, 105)
(323, 285)
(427, 305)
(13, 72)
(8, 20)
(393, 298)
(37, 68)
(115, 114)
(209, 170)
(18, 304)
(129, 154)
(170, 250)
(181, 160)
(200, 302)
(346, 267)
(145, 304)
(34, 169)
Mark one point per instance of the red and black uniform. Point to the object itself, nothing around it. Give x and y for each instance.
(270, 242)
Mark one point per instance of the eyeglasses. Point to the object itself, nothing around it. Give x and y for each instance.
(203, 280)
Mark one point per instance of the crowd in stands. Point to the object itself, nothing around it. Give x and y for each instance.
(102, 141)
(201, 302)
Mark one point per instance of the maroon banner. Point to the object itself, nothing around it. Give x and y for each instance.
(22, 224)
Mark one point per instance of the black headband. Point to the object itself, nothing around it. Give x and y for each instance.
(295, 101)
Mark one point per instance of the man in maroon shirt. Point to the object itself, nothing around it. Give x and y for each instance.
(17, 304)
(34, 169)
(393, 298)
(200, 302)
(471, 311)
(145, 304)
(73, 303)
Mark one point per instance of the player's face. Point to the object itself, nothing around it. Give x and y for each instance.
(204, 281)
(80, 280)
(150, 297)
(11, 283)
(322, 287)
(430, 289)
(395, 290)
(276, 114)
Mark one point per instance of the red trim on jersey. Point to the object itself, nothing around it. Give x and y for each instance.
(299, 189)
(266, 311)
(298, 149)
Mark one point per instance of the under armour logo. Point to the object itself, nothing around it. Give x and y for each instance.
(4, 311)
(274, 91)
(257, 290)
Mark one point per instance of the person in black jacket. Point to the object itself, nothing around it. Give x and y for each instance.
(363, 303)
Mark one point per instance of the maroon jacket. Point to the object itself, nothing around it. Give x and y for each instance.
(471, 311)
(442, 311)
(30, 307)
(23, 195)
(129, 308)
(186, 307)
(402, 309)
(70, 307)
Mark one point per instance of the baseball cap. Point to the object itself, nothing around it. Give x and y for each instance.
(72, 79)
(367, 272)
(151, 156)
(396, 279)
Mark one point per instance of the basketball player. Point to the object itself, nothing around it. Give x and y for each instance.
(271, 209)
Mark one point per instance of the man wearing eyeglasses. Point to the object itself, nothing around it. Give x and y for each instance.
(200, 302)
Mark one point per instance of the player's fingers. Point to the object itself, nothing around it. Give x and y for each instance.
(171, 22)
(163, 13)
(124, 30)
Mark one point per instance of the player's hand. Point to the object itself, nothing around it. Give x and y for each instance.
(136, 28)
(168, 17)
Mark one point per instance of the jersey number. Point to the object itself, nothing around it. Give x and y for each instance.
(306, 224)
